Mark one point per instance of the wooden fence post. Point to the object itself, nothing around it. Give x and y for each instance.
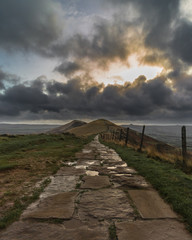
(184, 146)
(113, 136)
(142, 137)
(120, 136)
(116, 135)
(127, 137)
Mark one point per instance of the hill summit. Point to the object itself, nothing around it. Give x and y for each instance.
(94, 127)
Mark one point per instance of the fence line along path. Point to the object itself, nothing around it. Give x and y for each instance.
(97, 197)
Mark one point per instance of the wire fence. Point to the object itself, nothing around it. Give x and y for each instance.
(142, 142)
(168, 134)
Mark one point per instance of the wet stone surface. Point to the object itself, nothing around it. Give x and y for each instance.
(89, 163)
(150, 205)
(60, 184)
(152, 230)
(38, 231)
(60, 206)
(89, 195)
(130, 181)
(105, 204)
(95, 182)
(70, 171)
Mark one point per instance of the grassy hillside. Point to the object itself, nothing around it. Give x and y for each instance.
(94, 127)
(26, 160)
(153, 147)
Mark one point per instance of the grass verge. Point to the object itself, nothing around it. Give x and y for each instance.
(173, 185)
(26, 160)
(20, 205)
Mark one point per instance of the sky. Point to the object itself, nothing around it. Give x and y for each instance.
(125, 60)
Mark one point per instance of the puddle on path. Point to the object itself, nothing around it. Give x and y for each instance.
(126, 175)
(92, 173)
(86, 151)
(92, 162)
(70, 163)
(81, 167)
(122, 165)
(112, 168)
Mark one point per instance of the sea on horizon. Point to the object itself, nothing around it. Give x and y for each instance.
(15, 129)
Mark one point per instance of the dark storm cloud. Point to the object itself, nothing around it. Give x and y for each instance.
(157, 17)
(21, 98)
(164, 30)
(37, 25)
(157, 29)
(68, 68)
(2, 78)
(7, 79)
(140, 99)
(107, 43)
(182, 42)
(29, 25)
(24, 98)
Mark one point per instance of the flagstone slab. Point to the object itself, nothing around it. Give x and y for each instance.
(152, 230)
(105, 204)
(102, 170)
(88, 162)
(39, 231)
(95, 182)
(87, 150)
(70, 171)
(113, 169)
(59, 206)
(60, 184)
(112, 163)
(92, 173)
(150, 205)
(130, 181)
(87, 230)
(111, 158)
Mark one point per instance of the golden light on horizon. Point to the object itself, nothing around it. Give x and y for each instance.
(119, 74)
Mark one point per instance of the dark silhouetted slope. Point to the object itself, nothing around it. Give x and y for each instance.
(67, 127)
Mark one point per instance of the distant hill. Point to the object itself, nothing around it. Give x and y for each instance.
(153, 146)
(67, 127)
(94, 127)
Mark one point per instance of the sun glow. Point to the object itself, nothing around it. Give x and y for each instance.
(119, 74)
(186, 9)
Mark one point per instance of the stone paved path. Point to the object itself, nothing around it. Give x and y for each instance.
(85, 198)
